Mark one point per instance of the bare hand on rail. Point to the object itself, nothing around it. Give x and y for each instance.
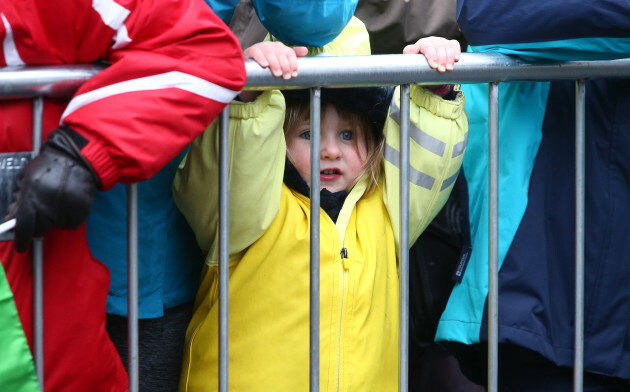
(55, 189)
(441, 53)
(278, 57)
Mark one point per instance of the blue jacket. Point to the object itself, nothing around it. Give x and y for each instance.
(536, 186)
(170, 261)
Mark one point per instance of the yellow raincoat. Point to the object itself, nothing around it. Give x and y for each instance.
(269, 231)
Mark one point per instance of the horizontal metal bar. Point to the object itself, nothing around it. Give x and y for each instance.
(49, 81)
(402, 69)
(390, 69)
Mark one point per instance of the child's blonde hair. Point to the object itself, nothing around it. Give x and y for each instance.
(298, 110)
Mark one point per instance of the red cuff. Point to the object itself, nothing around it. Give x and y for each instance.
(104, 166)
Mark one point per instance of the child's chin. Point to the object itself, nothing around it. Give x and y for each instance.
(331, 189)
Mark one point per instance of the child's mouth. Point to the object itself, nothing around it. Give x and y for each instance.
(329, 174)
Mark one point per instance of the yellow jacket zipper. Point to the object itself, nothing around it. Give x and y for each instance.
(342, 292)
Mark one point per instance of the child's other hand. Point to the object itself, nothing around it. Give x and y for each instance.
(279, 58)
(441, 53)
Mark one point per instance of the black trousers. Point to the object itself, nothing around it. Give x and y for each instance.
(523, 370)
(161, 344)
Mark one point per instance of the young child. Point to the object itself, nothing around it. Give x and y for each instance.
(269, 229)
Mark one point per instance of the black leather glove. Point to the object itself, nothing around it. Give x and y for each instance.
(55, 189)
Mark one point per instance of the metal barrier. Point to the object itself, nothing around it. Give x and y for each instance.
(21, 82)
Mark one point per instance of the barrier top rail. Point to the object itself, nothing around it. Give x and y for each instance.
(395, 69)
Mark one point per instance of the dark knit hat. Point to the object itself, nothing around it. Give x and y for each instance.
(372, 102)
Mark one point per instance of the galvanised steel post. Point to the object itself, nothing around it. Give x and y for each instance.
(404, 238)
(314, 251)
(224, 205)
(580, 180)
(493, 238)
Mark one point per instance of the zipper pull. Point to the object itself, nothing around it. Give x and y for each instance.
(344, 258)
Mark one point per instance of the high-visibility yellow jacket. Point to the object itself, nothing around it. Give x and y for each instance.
(269, 231)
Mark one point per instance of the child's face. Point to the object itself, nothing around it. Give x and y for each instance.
(343, 150)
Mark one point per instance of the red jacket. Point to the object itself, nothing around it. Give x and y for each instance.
(173, 67)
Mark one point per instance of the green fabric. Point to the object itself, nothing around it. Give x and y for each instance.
(17, 372)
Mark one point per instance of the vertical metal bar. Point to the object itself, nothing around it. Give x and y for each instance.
(224, 123)
(315, 202)
(38, 111)
(578, 366)
(38, 257)
(132, 287)
(493, 237)
(404, 238)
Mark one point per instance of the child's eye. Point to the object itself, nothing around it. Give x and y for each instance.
(346, 135)
(306, 135)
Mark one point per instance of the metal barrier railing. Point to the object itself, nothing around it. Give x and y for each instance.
(21, 82)
(38, 266)
(314, 251)
(223, 249)
(493, 250)
(133, 364)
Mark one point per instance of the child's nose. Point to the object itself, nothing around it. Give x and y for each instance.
(329, 150)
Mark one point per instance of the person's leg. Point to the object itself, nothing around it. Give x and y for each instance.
(434, 369)
(523, 370)
(160, 347)
(433, 259)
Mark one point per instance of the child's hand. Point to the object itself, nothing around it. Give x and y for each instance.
(441, 53)
(281, 59)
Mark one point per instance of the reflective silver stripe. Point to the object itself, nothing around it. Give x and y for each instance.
(121, 38)
(459, 148)
(111, 13)
(447, 182)
(415, 177)
(419, 136)
(114, 16)
(171, 79)
(11, 55)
